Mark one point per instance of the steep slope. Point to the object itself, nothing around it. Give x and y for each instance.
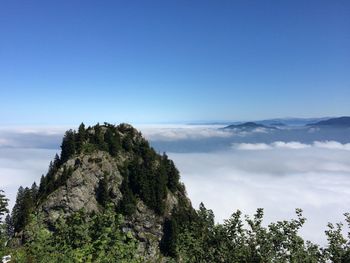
(108, 165)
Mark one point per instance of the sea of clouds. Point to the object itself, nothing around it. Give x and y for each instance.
(246, 170)
(218, 169)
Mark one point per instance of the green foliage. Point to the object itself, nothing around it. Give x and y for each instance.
(68, 145)
(238, 240)
(147, 181)
(173, 174)
(80, 137)
(79, 238)
(88, 148)
(48, 183)
(8, 226)
(112, 139)
(338, 249)
(98, 138)
(168, 242)
(24, 206)
(127, 205)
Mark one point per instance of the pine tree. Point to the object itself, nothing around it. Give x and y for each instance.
(17, 211)
(112, 140)
(81, 137)
(23, 207)
(98, 138)
(160, 189)
(42, 186)
(34, 192)
(68, 146)
(127, 206)
(9, 228)
(102, 191)
(3, 204)
(168, 242)
(56, 162)
(172, 173)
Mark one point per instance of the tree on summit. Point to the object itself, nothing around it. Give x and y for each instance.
(80, 137)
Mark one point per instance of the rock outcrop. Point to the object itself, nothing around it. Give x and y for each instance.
(81, 187)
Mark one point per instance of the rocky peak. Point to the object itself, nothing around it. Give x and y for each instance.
(114, 164)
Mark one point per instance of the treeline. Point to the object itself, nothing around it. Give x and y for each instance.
(245, 239)
(100, 238)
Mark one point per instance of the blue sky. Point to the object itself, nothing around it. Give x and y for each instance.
(63, 62)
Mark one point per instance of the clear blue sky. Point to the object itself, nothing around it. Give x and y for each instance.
(64, 62)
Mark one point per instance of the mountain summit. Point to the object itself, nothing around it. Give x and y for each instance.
(111, 168)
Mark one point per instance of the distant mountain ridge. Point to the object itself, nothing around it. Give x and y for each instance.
(268, 122)
(334, 122)
(291, 121)
(248, 126)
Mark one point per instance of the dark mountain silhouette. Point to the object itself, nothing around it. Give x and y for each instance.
(334, 122)
(248, 126)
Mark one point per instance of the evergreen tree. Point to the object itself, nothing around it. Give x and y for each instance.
(81, 137)
(160, 189)
(103, 192)
(23, 208)
(173, 174)
(98, 138)
(127, 206)
(3, 204)
(168, 242)
(127, 142)
(112, 139)
(9, 228)
(56, 163)
(17, 211)
(68, 146)
(34, 192)
(42, 186)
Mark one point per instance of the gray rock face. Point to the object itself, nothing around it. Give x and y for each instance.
(80, 189)
(79, 192)
(148, 229)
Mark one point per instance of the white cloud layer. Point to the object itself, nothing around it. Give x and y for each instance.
(22, 167)
(316, 179)
(183, 132)
(292, 145)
